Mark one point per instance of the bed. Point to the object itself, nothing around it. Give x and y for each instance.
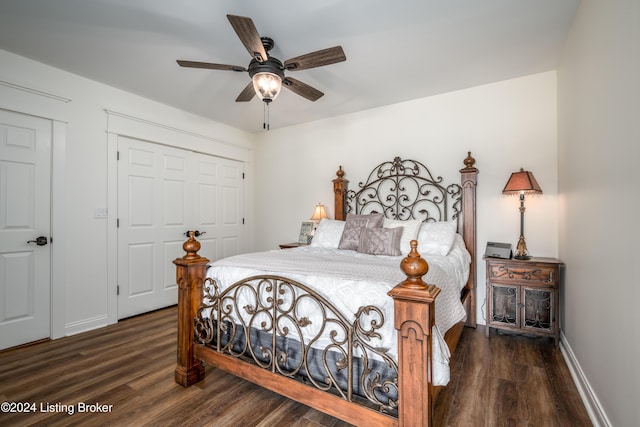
(369, 356)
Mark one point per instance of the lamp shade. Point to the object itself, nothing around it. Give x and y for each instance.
(319, 213)
(522, 182)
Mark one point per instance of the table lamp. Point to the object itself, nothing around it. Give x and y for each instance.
(522, 182)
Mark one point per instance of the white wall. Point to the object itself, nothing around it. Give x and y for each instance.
(85, 177)
(584, 157)
(506, 125)
(584, 143)
(599, 149)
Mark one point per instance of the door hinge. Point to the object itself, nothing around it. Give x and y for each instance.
(242, 221)
(242, 175)
(118, 223)
(117, 155)
(118, 290)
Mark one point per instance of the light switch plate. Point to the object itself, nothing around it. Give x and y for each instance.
(101, 212)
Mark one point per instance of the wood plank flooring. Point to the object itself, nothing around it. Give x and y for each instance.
(128, 368)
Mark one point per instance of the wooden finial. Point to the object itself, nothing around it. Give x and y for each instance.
(469, 161)
(414, 266)
(191, 247)
(340, 189)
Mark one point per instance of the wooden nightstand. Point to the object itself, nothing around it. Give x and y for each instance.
(291, 245)
(523, 295)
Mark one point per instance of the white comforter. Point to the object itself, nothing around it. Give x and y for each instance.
(350, 280)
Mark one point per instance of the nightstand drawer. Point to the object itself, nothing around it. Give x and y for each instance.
(541, 274)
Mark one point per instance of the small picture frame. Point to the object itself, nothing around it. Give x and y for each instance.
(306, 232)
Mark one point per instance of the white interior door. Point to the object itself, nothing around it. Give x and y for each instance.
(25, 215)
(162, 193)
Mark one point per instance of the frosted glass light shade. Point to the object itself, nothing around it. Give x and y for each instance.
(267, 85)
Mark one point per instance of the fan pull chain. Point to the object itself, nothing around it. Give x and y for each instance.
(265, 121)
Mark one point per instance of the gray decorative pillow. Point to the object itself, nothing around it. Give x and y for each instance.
(380, 241)
(410, 232)
(353, 228)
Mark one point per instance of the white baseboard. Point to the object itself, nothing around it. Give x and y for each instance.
(85, 325)
(592, 404)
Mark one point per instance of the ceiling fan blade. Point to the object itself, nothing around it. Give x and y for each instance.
(247, 93)
(302, 89)
(249, 36)
(318, 58)
(210, 66)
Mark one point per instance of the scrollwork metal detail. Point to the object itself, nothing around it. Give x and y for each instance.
(537, 309)
(403, 190)
(285, 327)
(544, 275)
(505, 307)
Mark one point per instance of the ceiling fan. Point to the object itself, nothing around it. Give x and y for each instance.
(267, 72)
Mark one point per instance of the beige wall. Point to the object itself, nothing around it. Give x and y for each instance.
(598, 154)
(506, 125)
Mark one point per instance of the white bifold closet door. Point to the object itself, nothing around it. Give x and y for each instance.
(162, 193)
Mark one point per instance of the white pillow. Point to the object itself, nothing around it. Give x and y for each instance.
(328, 234)
(437, 237)
(409, 233)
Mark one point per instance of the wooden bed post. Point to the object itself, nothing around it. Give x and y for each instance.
(340, 188)
(414, 315)
(190, 275)
(469, 180)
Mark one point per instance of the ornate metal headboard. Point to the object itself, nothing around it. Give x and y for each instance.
(405, 189)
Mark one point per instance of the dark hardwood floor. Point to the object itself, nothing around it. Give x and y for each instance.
(128, 369)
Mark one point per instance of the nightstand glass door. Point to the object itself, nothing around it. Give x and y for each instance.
(537, 309)
(505, 305)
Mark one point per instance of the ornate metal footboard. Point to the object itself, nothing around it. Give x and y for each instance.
(285, 327)
(251, 327)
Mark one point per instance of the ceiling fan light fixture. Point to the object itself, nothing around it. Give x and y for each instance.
(267, 72)
(267, 85)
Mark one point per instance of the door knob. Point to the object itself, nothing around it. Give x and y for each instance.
(40, 241)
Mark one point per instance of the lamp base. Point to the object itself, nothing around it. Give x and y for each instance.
(521, 249)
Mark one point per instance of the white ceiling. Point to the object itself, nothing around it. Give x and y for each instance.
(396, 50)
